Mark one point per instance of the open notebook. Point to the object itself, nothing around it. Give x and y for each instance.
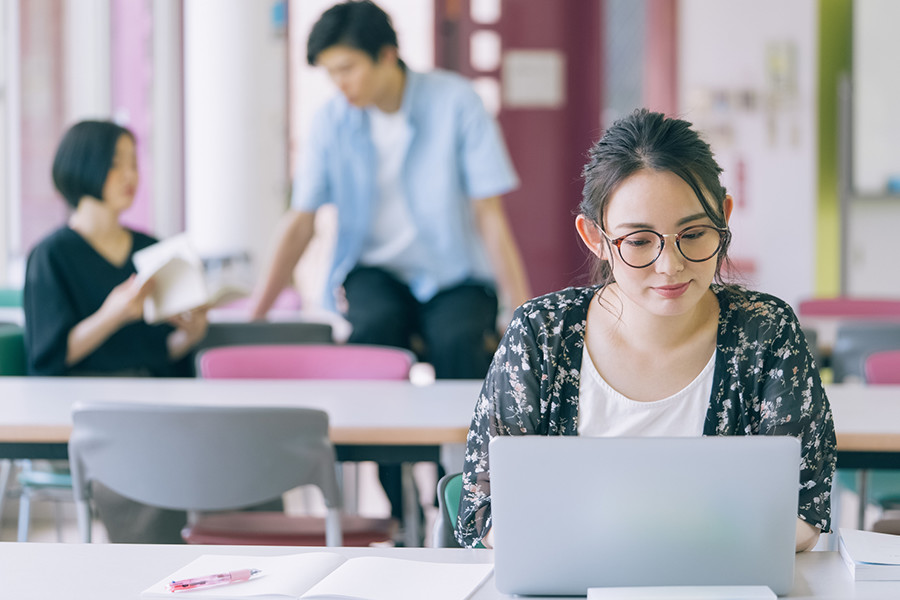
(329, 576)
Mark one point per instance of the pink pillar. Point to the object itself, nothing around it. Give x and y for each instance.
(661, 56)
(131, 52)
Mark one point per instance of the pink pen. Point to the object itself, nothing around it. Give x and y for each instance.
(211, 580)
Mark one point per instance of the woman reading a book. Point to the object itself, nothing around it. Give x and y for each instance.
(655, 347)
(84, 306)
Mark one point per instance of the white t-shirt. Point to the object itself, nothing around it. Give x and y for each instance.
(602, 411)
(392, 242)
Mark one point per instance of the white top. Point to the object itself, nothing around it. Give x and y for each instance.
(602, 411)
(392, 242)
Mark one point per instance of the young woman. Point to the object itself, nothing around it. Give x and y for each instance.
(84, 307)
(655, 348)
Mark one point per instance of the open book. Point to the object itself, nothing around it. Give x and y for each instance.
(870, 556)
(329, 576)
(180, 282)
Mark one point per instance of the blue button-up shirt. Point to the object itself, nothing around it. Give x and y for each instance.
(455, 154)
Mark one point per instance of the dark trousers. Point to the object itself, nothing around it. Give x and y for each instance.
(456, 331)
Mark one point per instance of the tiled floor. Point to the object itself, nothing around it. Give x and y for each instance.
(372, 502)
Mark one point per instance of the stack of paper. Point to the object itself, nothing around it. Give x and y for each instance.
(870, 556)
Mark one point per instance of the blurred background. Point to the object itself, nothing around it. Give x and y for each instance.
(797, 98)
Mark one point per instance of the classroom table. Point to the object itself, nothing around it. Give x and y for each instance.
(32, 571)
(384, 421)
(377, 420)
(371, 419)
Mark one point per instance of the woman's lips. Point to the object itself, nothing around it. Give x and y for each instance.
(672, 291)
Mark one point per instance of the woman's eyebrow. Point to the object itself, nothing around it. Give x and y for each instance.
(688, 219)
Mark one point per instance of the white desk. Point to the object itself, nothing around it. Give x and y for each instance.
(121, 571)
(36, 411)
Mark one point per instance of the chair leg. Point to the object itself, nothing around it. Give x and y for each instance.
(412, 537)
(83, 513)
(24, 516)
(5, 474)
(58, 515)
(333, 534)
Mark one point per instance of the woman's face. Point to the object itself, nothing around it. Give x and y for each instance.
(122, 179)
(663, 202)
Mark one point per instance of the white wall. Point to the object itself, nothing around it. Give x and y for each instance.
(747, 78)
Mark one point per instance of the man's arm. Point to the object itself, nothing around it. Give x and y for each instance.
(502, 252)
(292, 237)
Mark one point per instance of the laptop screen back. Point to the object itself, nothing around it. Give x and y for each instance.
(570, 513)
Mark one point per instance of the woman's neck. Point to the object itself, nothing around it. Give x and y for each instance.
(95, 220)
(647, 332)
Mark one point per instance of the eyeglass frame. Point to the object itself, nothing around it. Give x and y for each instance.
(724, 238)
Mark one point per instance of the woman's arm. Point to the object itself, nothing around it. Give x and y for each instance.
(123, 305)
(190, 329)
(807, 536)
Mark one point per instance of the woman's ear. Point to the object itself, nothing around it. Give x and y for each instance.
(591, 236)
(728, 206)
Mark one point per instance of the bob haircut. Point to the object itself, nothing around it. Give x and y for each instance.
(362, 25)
(84, 158)
(650, 140)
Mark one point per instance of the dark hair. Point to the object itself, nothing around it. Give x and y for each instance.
(357, 24)
(650, 140)
(84, 158)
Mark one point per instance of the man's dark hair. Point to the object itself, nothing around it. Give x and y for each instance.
(84, 158)
(358, 24)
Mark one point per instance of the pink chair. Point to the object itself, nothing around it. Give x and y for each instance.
(883, 367)
(297, 361)
(845, 306)
(305, 361)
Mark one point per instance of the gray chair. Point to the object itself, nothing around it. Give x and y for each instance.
(855, 341)
(449, 488)
(201, 458)
(227, 333)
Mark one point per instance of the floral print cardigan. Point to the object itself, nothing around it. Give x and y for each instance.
(765, 383)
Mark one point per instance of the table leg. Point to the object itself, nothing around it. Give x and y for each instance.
(862, 481)
(411, 537)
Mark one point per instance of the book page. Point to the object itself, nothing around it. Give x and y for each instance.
(377, 578)
(284, 576)
(179, 284)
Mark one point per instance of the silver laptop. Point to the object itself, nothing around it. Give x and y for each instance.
(571, 513)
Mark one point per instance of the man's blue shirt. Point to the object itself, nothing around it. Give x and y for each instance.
(455, 155)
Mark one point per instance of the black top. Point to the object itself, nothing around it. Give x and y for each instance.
(66, 281)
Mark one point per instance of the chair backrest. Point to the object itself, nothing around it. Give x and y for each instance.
(226, 333)
(449, 489)
(855, 341)
(305, 361)
(200, 458)
(12, 349)
(844, 306)
(883, 368)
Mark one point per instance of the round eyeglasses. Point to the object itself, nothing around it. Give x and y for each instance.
(697, 243)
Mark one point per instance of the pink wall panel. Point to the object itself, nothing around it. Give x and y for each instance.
(132, 76)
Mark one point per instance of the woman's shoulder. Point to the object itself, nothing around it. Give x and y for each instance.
(569, 305)
(750, 302)
(59, 240)
(750, 314)
(141, 240)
